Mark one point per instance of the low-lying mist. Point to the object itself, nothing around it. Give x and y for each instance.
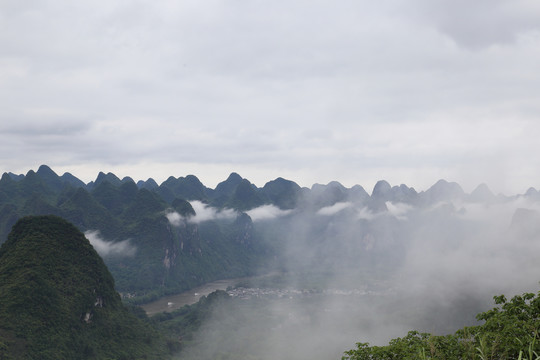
(359, 273)
(205, 212)
(110, 248)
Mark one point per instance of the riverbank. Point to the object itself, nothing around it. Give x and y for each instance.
(173, 302)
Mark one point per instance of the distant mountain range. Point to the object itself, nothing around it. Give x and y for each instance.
(162, 238)
(238, 193)
(155, 239)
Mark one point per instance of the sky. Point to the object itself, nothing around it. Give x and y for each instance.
(312, 91)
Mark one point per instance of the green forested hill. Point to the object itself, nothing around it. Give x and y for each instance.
(58, 299)
(163, 258)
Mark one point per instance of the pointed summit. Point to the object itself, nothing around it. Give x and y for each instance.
(44, 170)
(327, 195)
(382, 190)
(49, 178)
(283, 193)
(532, 194)
(443, 191)
(15, 177)
(358, 194)
(481, 194)
(149, 184)
(245, 197)
(72, 180)
(226, 188)
(109, 177)
(6, 178)
(187, 188)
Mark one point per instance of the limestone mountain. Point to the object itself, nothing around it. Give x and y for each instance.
(443, 190)
(174, 246)
(245, 196)
(327, 195)
(188, 188)
(283, 193)
(482, 194)
(162, 257)
(59, 300)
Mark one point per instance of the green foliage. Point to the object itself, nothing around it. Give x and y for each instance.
(58, 299)
(509, 331)
(186, 320)
(183, 207)
(245, 197)
(229, 318)
(283, 193)
(168, 258)
(189, 188)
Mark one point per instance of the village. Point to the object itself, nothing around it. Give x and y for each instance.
(279, 293)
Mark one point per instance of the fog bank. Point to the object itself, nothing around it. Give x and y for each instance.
(372, 275)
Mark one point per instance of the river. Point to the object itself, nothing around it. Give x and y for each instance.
(172, 302)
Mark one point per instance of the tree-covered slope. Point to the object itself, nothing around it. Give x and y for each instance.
(162, 257)
(59, 301)
(509, 331)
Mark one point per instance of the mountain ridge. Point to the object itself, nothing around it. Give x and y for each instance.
(169, 237)
(191, 188)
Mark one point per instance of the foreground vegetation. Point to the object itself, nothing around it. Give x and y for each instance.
(510, 331)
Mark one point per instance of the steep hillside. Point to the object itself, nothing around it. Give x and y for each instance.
(147, 254)
(59, 301)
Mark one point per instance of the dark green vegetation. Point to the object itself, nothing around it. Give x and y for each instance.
(163, 258)
(58, 299)
(509, 331)
(183, 323)
(407, 257)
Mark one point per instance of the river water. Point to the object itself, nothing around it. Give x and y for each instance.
(173, 302)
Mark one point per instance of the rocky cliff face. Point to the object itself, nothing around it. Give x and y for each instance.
(244, 230)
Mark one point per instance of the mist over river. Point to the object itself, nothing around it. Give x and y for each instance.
(289, 323)
(316, 323)
(369, 277)
(173, 302)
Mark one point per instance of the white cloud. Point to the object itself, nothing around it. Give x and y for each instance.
(175, 218)
(366, 214)
(110, 248)
(204, 212)
(267, 212)
(334, 209)
(495, 216)
(398, 210)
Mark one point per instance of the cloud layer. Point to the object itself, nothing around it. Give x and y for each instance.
(312, 91)
(205, 212)
(110, 248)
(267, 212)
(374, 276)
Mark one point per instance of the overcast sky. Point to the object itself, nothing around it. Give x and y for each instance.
(313, 91)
